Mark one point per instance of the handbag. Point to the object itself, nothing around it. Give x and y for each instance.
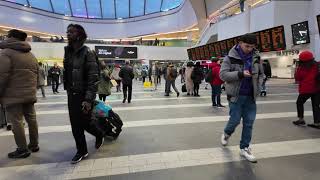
(184, 88)
(114, 83)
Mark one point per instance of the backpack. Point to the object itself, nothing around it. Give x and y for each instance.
(209, 76)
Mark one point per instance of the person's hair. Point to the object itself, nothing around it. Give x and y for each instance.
(82, 33)
(20, 35)
(197, 64)
(190, 64)
(40, 63)
(249, 38)
(127, 62)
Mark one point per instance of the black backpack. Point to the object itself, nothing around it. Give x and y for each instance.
(209, 76)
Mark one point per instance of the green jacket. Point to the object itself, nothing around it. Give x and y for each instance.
(105, 85)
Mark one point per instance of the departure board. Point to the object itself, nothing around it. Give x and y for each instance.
(278, 40)
(258, 45)
(201, 52)
(217, 49)
(197, 53)
(230, 43)
(206, 52)
(223, 46)
(189, 54)
(212, 50)
(193, 53)
(300, 33)
(265, 39)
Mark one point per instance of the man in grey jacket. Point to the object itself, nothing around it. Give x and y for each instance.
(242, 76)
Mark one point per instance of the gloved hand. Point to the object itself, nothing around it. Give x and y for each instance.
(86, 107)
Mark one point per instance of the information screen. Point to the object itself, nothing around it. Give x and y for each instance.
(193, 52)
(189, 54)
(278, 40)
(217, 49)
(117, 52)
(300, 33)
(230, 43)
(318, 19)
(212, 50)
(206, 52)
(201, 52)
(224, 50)
(265, 39)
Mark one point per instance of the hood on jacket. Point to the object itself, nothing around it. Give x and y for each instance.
(17, 45)
(233, 53)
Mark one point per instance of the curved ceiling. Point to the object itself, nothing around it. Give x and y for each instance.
(102, 9)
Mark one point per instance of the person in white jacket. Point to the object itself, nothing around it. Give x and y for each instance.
(116, 77)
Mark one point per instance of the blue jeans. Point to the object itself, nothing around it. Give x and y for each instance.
(244, 108)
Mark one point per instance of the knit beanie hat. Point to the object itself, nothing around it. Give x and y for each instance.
(306, 56)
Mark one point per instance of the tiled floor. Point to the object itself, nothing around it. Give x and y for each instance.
(172, 138)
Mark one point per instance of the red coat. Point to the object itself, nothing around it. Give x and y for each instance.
(307, 79)
(215, 74)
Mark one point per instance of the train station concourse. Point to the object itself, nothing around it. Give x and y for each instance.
(159, 89)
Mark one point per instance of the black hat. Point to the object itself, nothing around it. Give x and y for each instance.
(249, 38)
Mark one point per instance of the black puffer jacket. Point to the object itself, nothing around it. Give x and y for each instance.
(197, 75)
(81, 72)
(126, 73)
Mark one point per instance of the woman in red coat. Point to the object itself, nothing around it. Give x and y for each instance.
(306, 76)
(216, 84)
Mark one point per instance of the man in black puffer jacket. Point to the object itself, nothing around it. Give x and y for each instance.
(81, 76)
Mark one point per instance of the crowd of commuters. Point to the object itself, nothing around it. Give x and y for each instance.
(85, 76)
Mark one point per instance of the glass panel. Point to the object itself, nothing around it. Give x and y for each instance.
(108, 9)
(170, 4)
(93, 7)
(122, 8)
(41, 4)
(61, 7)
(24, 2)
(78, 8)
(136, 8)
(152, 6)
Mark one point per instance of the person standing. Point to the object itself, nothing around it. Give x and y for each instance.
(116, 77)
(154, 72)
(41, 79)
(170, 80)
(81, 76)
(197, 76)
(144, 74)
(216, 83)
(309, 87)
(55, 73)
(19, 82)
(126, 75)
(104, 86)
(241, 2)
(189, 81)
(242, 78)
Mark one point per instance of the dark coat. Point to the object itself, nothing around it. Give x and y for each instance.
(81, 72)
(197, 75)
(18, 73)
(267, 69)
(54, 72)
(126, 74)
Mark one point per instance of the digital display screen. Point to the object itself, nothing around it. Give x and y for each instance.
(300, 33)
(230, 43)
(189, 54)
(197, 53)
(212, 51)
(258, 45)
(217, 49)
(223, 46)
(117, 52)
(206, 52)
(201, 52)
(318, 19)
(193, 53)
(278, 40)
(265, 39)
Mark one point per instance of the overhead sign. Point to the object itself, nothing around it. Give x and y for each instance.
(117, 52)
(300, 33)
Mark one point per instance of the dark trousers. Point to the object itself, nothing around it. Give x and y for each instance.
(159, 79)
(125, 88)
(118, 85)
(216, 94)
(196, 87)
(315, 100)
(55, 84)
(143, 79)
(102, 97)
(80, 122)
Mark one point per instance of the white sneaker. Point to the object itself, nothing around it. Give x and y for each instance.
(224, 139)
(246, 153)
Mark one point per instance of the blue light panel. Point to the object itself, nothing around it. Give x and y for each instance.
(78, 8)
(170, 4)
(136, 8)
(122, 8)
(41, 4)
(108, 9)
(153, 6)
(94, 8)
(61, 7)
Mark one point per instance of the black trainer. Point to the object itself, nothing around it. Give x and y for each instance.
(99, 142)
(33, 148)
(178, 94)
(299, 122)
(78, 157)
(19, 153)
(214, 105)
(220, 106)
(316, 126)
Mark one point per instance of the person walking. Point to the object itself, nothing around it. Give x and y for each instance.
(81, 76)
(19, 82)
(144, 74)
(116, 77)
(216, 84)
(189, 81)
(55, 73)
(154, 72)
(170, 80)
(126, 75)
(242, 77)
(307, 76)
(196, 76)
(104, 86)
(41, 79)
